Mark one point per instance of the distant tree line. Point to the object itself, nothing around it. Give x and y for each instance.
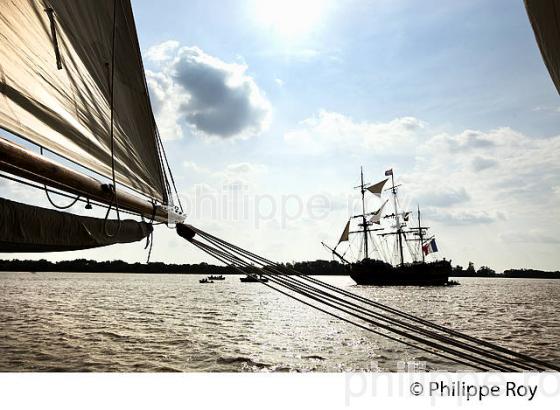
(318, 267)
(486, 272)
(85, 265)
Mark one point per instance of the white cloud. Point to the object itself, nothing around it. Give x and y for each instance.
(530, 236)
(162, 52)
(516, 167)
(473, 141)
(205, 95)
(165, 97)
(194, 167)
(472, 186)
(550, 109)
(492, 169)
(245, 168)
(479, 163)
(510, 179)
(463, 216)
(442, 196)
(240, 174)
(331, 131)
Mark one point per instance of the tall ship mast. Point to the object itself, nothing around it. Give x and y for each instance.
(392, 249)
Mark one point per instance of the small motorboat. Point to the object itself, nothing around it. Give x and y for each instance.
(205, 280)
(253, 278)
(218, 277)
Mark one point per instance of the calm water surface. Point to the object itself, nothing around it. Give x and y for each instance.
(123, 322)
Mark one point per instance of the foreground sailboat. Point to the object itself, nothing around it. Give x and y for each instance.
(72, 85)
(395, 239)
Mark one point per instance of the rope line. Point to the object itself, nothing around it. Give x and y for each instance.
(52, 191)
(343, 305)
(387, 308)
(76, 199)
(361, 326)
(369, 329)
(115, 198)
(404, 328)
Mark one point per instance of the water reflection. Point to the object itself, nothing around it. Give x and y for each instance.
(122, 322)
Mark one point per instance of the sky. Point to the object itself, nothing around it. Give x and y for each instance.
(268, 109)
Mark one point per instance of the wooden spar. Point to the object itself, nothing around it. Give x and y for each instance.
(364, 222)
(421, 234)
(18, 161)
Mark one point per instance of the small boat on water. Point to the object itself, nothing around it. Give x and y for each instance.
(253, 278)
(205, 280)
(218, 277)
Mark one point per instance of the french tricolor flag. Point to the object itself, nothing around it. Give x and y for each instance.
(430, 247)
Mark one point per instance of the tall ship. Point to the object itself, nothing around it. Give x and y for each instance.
(393, 249)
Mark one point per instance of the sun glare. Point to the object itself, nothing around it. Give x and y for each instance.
(288, 18)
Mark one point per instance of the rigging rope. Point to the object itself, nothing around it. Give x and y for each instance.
(169, 172)
(210, 250)
(388, 322)
(283, 284)
(150, 237)
(52, 191)
(392, 310)
(478, 360)
(76, 199)
(383, 250)
(115, 198)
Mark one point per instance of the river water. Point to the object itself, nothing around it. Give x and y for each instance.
(125, 322)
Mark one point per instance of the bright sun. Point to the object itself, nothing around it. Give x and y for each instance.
(288, 18)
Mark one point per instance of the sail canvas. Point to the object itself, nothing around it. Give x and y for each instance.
(67, 68)
(346, 233)
(377, 189)
(545, 20)
(376, 218)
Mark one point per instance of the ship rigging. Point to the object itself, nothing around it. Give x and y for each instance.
(411, 241)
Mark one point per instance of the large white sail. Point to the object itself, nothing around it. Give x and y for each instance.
(55, 87)
(545, 19)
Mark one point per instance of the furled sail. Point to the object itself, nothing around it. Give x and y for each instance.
(346, 233)
(545, 19)
(377, 189)
(57, 60)
(376, 218)
(27, 228)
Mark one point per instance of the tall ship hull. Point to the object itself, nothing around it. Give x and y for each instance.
(378, 273)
